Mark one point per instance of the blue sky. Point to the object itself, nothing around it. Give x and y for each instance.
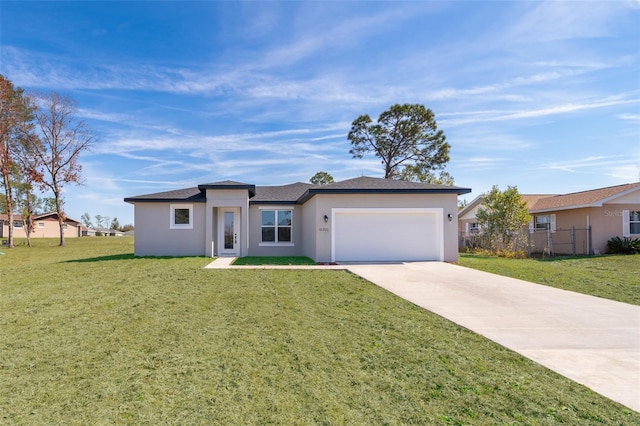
(541, 95)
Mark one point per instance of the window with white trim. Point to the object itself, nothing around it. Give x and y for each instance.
(634, 221)
(40, 224)
(276, 226)
(544, 222)
(181, 216)
(17, 224)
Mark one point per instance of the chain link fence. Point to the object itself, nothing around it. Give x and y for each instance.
(542, 242)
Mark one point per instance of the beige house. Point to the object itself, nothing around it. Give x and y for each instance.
(46, 226)
(576, 223)
(361, 219)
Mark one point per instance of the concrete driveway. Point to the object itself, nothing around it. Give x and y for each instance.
(593, 341)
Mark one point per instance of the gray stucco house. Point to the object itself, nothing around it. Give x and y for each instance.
(360, 219)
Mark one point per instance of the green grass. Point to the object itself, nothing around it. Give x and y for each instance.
(91, 335)
(273, 260)
(610, 277)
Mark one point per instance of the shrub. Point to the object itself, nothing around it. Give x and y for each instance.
(626, 245)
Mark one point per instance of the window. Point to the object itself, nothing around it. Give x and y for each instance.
(276, 226)
(17, 224)
(543, 222)
(474, 228)
(181, 216)
(40, 224)
(634, 222)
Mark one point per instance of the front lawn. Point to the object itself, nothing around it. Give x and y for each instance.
(610, 277)
(91, 335)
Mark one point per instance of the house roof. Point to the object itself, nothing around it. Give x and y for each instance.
(299, 192)
(194, 195)
(288, 194)
(591, 198)
(371, 185)
(230, 184)
(540, 203)
(5, 217)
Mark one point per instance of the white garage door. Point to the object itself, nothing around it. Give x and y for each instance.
(386, 234)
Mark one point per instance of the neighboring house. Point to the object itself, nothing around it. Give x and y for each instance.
(576, 223)
(361, 219)
(108, 232)
(46, 226)
(87, 232)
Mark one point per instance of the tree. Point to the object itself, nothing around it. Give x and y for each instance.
(501, 217)
(16, 134)
(407, 141)
(115, 224)
(86, 220)
(64, 138)
(321, 178)
(99, 221)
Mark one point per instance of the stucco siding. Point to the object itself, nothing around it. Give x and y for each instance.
(155, 238)
(257, 248)
(309, 232)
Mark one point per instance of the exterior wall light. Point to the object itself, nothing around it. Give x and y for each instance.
(326, 218)
(450, 216)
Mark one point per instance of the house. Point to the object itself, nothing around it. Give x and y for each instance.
(87, 232)
(360, 219)
(108, 232)
(46, 226)
(576, 223)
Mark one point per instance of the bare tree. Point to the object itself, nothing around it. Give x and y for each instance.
(64, 138)
(16, 133)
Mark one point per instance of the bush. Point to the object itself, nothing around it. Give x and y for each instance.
(626, 245)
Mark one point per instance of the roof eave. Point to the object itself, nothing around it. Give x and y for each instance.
(133, 200)
(571, 207)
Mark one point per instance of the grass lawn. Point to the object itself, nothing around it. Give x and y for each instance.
(610, 277)
(273, 260)
(91, 335)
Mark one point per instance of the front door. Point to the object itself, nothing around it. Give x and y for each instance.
(228, 232)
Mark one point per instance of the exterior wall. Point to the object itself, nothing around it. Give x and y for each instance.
(255, 231)
(155, 238)
(45, 228)
(216, 198)
(324, 204)
(310, 232)
(605, 222)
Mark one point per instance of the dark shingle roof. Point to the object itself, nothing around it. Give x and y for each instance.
(230, 184)
(371, 185)
(280, 194)
(298, 193)
(194, 195)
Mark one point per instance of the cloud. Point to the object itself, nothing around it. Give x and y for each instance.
(507, 115)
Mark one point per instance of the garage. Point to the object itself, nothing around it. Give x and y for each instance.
(386, 234)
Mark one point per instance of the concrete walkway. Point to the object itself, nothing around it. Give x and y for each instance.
(593, 341)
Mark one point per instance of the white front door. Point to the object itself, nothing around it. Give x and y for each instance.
(229, 232)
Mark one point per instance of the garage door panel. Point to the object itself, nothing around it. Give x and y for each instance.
(386, 235)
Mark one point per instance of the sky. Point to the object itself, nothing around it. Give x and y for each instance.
(540, 95)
